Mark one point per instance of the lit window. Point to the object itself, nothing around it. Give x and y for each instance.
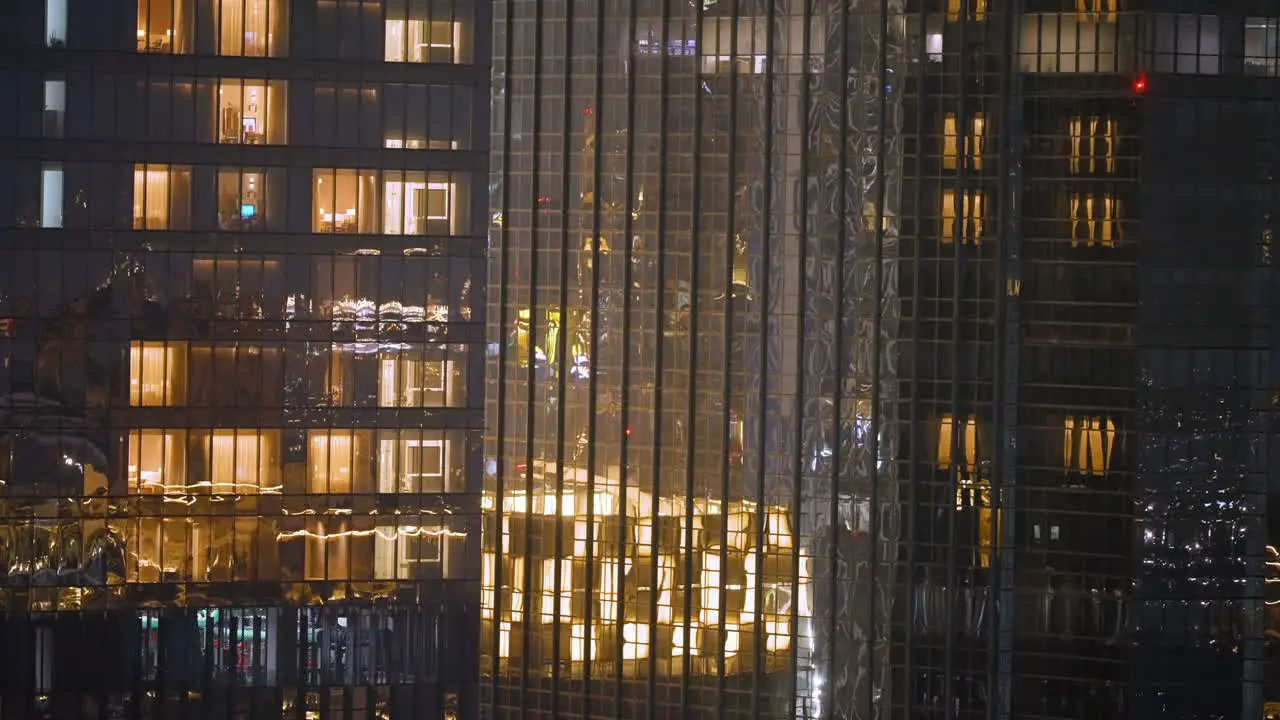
(55, 107)
(243, 462)
(339, 461)
(709, 614)
(157, 373)
(1262, 46)
(344, 201)
(164, 26)
(549, 590)
(578, 650)
(504, 639)
(251, 112)
(414, 206)
(328, 549)
(967, 225)
(977, 9)
(400, 551)
(1097, 9)
(249, 27)
(1087, 444)
(611, 571)
(414, 380)
(973, 142)
(157, 460)
(55, 22)
(168, 549)
(1095, 220)
(635, 638)
(1093, 144)
(1071, 43)
(412, 461)
(959, 445)
(161, 197)
(1184, 44)
(488, 584)
(778, 529)
(420, 41)
(933, 37)
(685, 640)
(51, 180)
(241, 199)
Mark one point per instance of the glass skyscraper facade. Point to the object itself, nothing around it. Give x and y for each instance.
(900, 358)
(241, 319)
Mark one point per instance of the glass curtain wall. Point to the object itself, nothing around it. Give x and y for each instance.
(690, 409)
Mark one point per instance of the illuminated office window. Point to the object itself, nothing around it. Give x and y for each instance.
(611, 570)
(252, 112)
(157, 373)
(344, 201)
(420, 41)
(1093, 144)
(1262, 46)
(977, 9)
(1087, 444)
(957, 443)
(1076, 43)
(973, 142)
(578, 649)
(339, 461)
(635, 639)
(1184, 44)
(243, 462)
(1095, 220)
(488, 584)
(410, 379)
(161, 197)
(51, 199)
(249, 27)
(549, 594)
(413, 461)
(157, 460)
(748, 583)
(165, 26)
(404, 552)
(328, 549)
(55, 23)
(414, 206)
(1104, 9)
(167, 549)
(965, 221)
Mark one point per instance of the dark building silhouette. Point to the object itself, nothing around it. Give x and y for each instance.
(898, 359)
(241, 317)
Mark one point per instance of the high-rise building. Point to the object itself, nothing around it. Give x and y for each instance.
(241, 308)
(899, 358)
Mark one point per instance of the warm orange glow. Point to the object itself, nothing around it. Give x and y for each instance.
(743, 577)
(1095, 220)
(968, 224)
(1093, 144)
(157, 373)
(949, 441)
(974, 141)
(977, 10)
(1087, 444)
(1097, 9)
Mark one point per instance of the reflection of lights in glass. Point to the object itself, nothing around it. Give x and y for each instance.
(744, 582)
(406, 531)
